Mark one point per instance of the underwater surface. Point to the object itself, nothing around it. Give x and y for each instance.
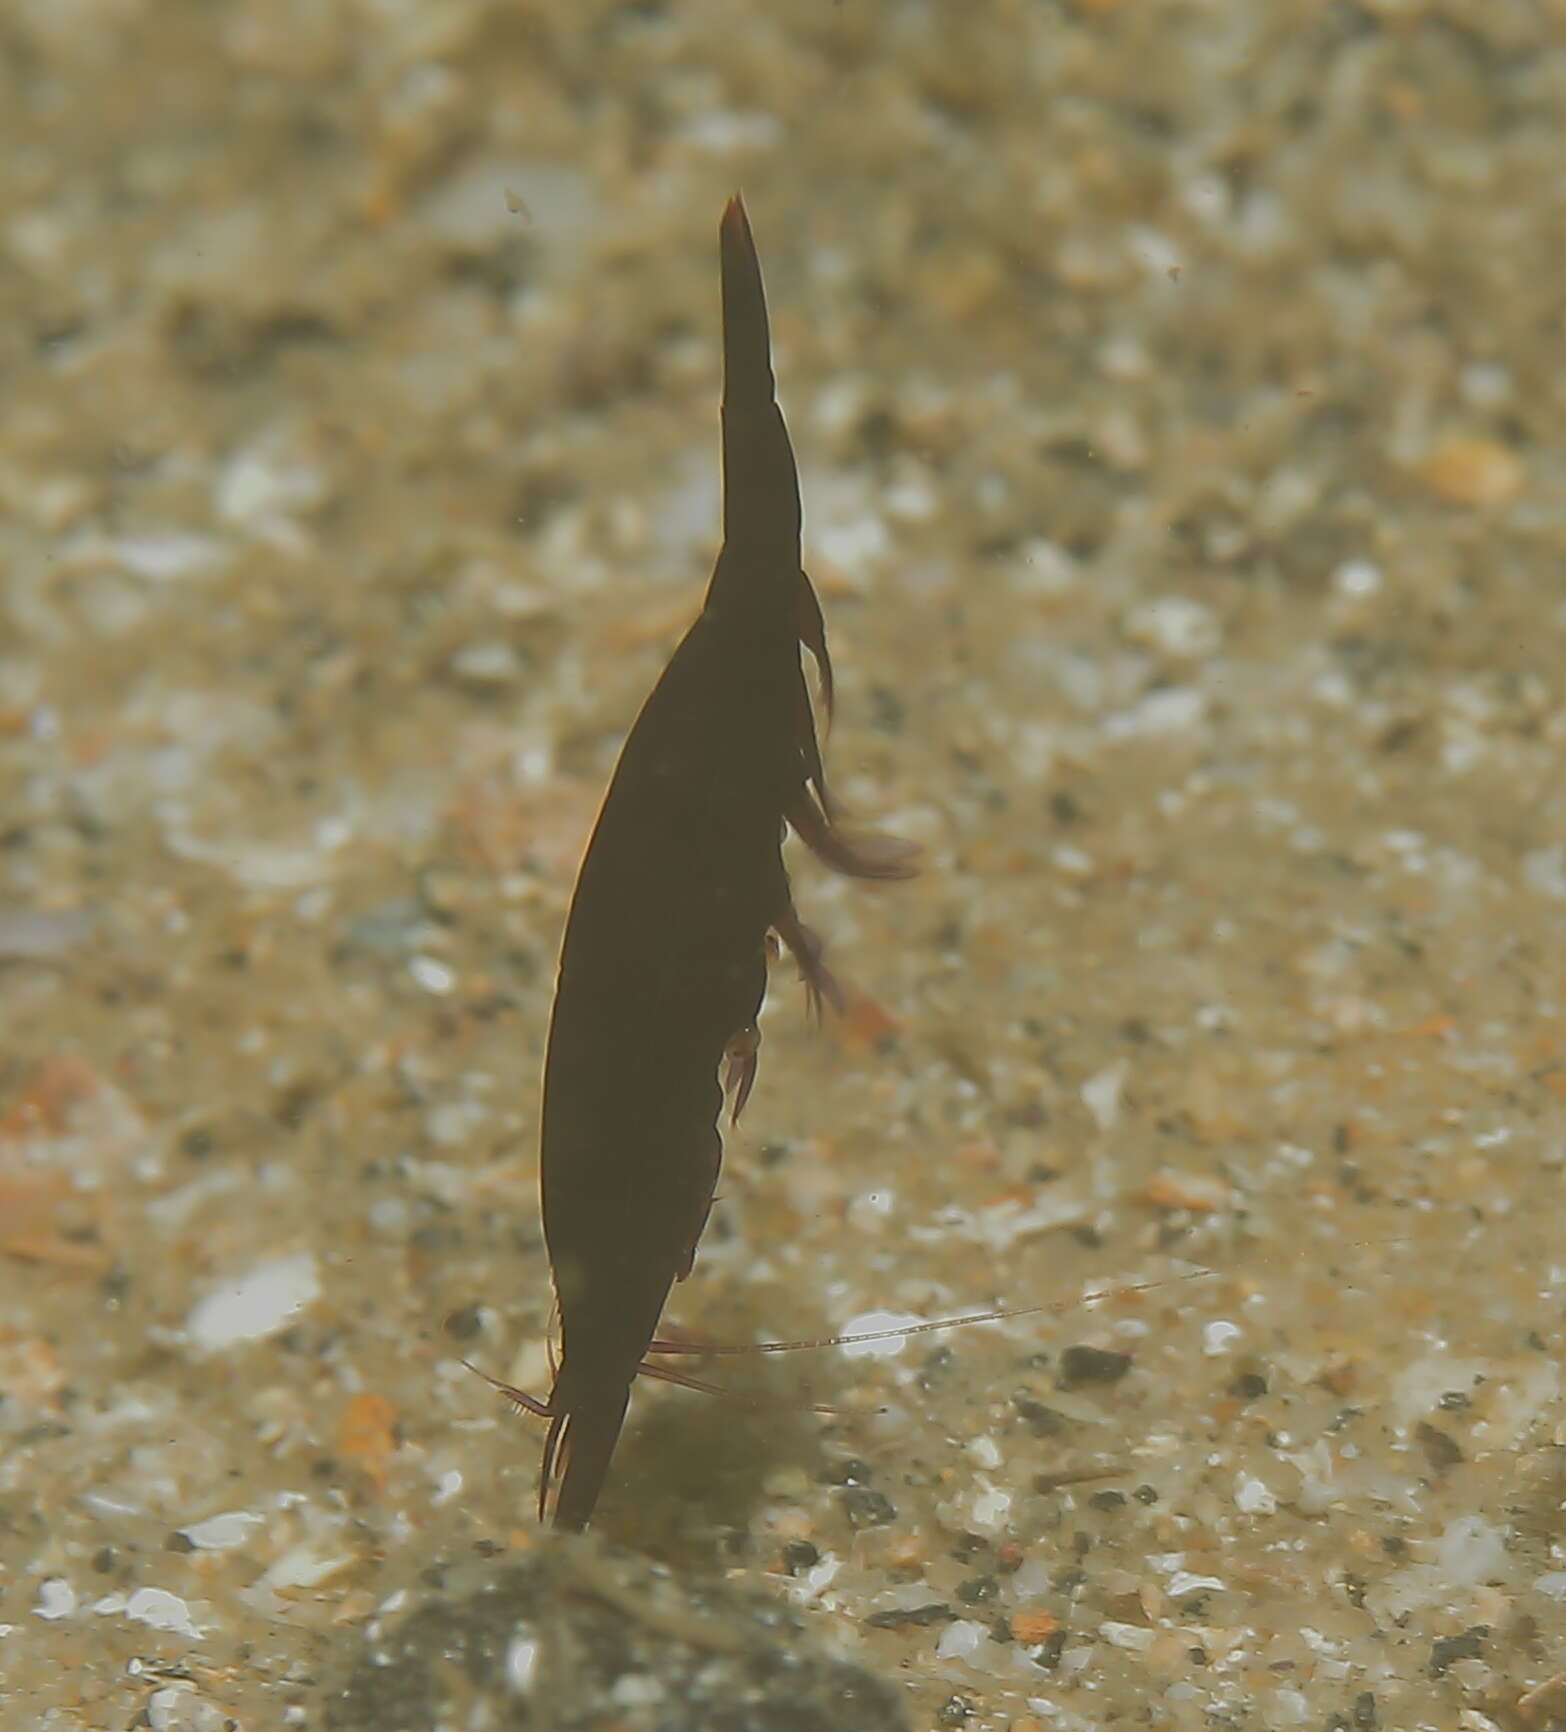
(1177, 396)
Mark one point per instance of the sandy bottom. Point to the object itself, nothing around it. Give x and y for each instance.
(1177, 395)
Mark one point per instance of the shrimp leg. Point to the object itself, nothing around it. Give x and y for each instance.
(808, 952)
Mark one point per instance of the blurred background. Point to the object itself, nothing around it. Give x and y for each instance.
(1177, 394)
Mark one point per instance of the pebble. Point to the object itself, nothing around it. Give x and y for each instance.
(434, 976)
(179, 1708)
(256, 1304)
(159, 1610)
(1101, 1093)
(1254, 1497)
(1474, 471)
(484, 665)
(961, 1640)
(56, 1599)
(169, 556)
(222, 1533)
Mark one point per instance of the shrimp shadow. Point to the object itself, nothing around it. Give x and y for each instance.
(692, 1469)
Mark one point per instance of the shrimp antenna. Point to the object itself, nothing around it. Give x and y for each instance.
(701, 1349)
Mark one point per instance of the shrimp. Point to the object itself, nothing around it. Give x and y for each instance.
(681, 899)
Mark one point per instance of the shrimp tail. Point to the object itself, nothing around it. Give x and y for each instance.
(577, 1449)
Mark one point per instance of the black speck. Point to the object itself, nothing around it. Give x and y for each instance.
(1145, 1494)
(1108, 1501)
(868, 1509)
(1079, 1365)
(849, 1471)
(104, 1559)
(977, 1589)
(800, 1555)
(1249, 1386)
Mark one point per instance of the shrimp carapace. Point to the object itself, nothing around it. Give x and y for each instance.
(681, 895)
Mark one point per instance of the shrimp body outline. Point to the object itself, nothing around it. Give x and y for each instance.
(681, 896)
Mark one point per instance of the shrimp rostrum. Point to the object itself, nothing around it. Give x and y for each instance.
(681, 895)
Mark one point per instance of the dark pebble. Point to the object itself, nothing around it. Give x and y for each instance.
(1044, 1421)
(1046, 1654)
(444, 1662)
(1441, 1451)
(867, 1509)
(800, 1555)
(463, 1325)
(1468, 1646)
(1080, 1365)
(915, 1617)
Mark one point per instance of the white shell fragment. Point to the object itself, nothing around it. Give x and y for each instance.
(56, 1599)
(159, 1610)
(255, 1305)
(222, 1533)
